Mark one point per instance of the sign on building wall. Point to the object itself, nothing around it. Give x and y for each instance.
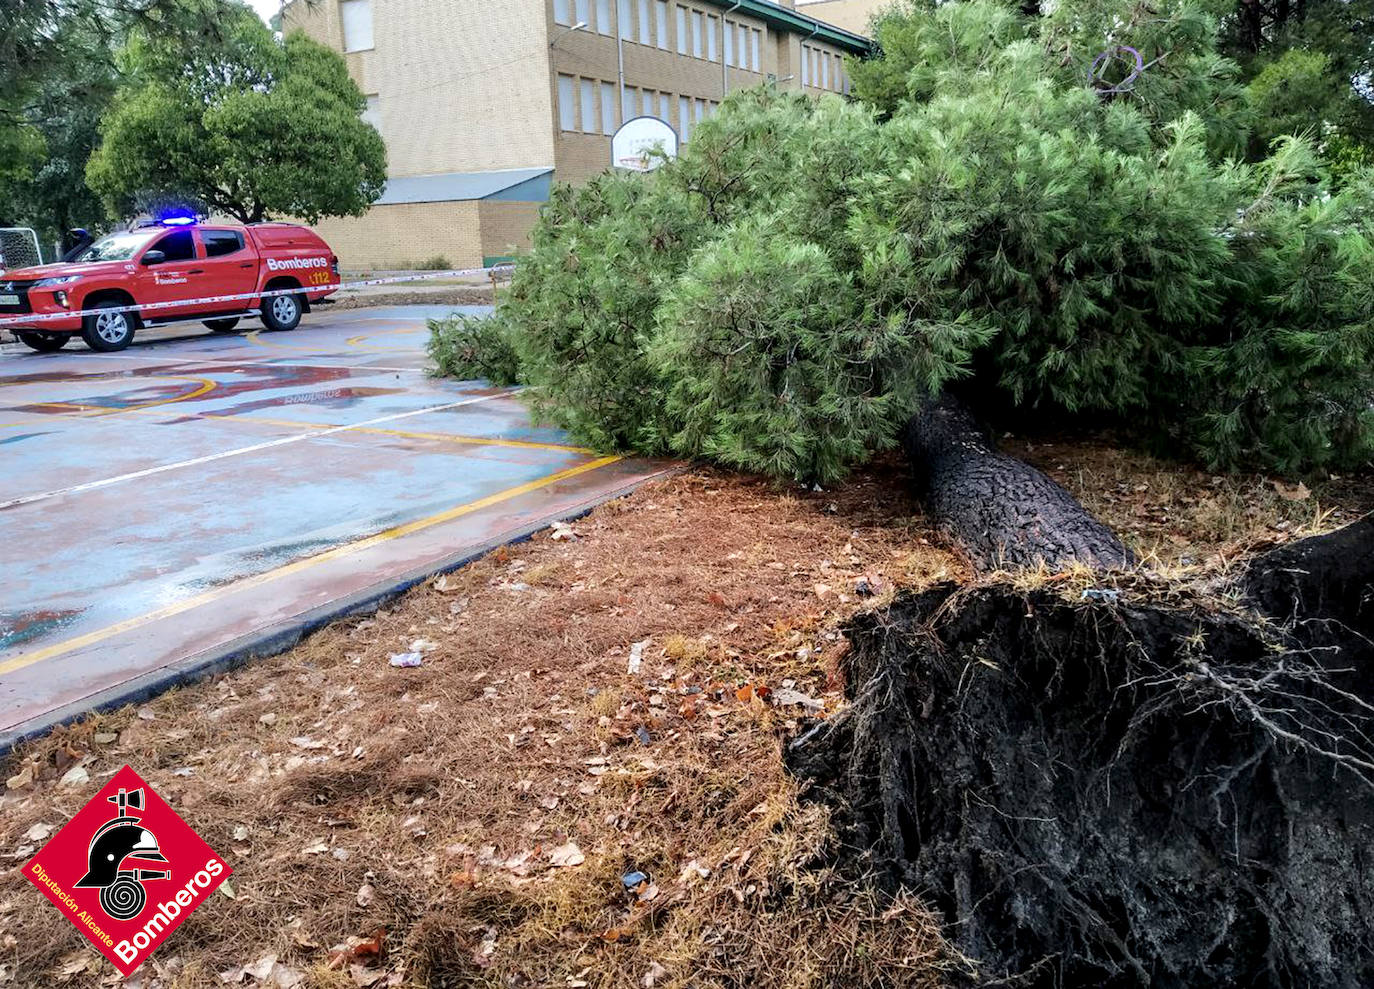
(634, 144)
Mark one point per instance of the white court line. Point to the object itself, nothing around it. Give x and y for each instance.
(208, 458)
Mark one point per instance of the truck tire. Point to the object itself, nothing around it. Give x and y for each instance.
(282, 312)
(225, 325)
(108, 332)
(44, 343)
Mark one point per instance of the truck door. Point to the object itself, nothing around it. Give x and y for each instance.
(178, 277)
(231, 268)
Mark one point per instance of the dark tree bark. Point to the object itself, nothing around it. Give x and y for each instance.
(1158, 785)
(1004, 512)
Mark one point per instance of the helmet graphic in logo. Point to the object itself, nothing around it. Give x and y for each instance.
(115, 844)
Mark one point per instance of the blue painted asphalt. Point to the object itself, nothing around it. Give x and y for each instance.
(193, 489)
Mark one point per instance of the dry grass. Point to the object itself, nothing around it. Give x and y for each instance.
(1177, 516)
(352, 797)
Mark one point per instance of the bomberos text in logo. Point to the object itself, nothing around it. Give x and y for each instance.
(282, 264)
(126, 870)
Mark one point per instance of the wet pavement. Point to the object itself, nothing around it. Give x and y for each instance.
(200, 496)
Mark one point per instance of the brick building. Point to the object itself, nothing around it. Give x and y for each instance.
(483, 103)
(852, 15)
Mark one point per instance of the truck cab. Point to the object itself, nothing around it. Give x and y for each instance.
(170, 271)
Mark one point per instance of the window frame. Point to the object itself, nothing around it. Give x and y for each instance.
(608, 118)
(567, 103)
(157, 243)
(603, 18)
(206, 234)
(661, 24)
(697, 48)
(344, 22)
(586, 101)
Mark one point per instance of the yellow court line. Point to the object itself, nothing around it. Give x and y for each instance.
(356, 341)
(99, 635)
(206, 385)
(446, 437)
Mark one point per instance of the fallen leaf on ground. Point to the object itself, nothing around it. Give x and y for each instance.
(566, 855)
(1296, 492)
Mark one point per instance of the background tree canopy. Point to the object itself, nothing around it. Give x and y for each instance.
(783, 296)
(240, 122)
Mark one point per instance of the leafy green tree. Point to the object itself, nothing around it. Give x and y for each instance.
(242, 122)
(57, 77)
(786, 293)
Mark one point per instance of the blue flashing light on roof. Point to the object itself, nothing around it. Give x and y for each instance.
(178, 220)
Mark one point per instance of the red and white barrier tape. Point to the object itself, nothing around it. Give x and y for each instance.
(13, 320)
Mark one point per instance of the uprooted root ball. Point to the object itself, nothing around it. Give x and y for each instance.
(1143, 789)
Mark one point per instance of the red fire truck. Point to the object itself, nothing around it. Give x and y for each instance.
(170, 271)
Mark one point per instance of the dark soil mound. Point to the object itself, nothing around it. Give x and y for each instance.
(1127, 790)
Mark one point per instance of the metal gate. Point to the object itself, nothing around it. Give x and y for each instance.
(19, 248)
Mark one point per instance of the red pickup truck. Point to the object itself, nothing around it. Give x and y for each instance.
(168, 272)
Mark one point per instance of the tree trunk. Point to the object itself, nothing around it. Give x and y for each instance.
(1153, 784)
(1004, 512)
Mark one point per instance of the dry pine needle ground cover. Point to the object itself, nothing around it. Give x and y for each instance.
(604, 699)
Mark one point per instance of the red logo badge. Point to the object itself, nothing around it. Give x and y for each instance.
(126, 870)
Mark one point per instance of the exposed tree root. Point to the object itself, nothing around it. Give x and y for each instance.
(1164, 790)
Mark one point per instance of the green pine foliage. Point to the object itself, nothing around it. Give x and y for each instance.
(782, 297)
(472, 347)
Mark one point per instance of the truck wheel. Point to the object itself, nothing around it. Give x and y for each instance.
(225, 325)
(44, 343)
(281, 312)
(108, 331)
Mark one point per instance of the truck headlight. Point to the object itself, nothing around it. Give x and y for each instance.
(59, 280)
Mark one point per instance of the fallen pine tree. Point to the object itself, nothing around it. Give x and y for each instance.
(1119, 780)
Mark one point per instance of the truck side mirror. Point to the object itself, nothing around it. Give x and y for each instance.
(153, 257)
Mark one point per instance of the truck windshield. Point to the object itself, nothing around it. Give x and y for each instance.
(117, 246)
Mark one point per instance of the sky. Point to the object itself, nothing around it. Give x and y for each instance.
(267, 9)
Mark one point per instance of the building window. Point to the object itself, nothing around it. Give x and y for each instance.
(757, 35)
(804, 77)
(567, 112)
(711, 23)
(661, 23)
(625, 17)
(627, 103)
(729, 43)
(663, 106)
(357, 24)
(815, 67)
(603, 16)
(700, 111)
(561, 13)
(373, 114)
(825, 70)
(607, 108)
(684, 117)
(583, 10)
(588, 88)
(647, 103)
(696, 34)
(682, 30)
(644, 38)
